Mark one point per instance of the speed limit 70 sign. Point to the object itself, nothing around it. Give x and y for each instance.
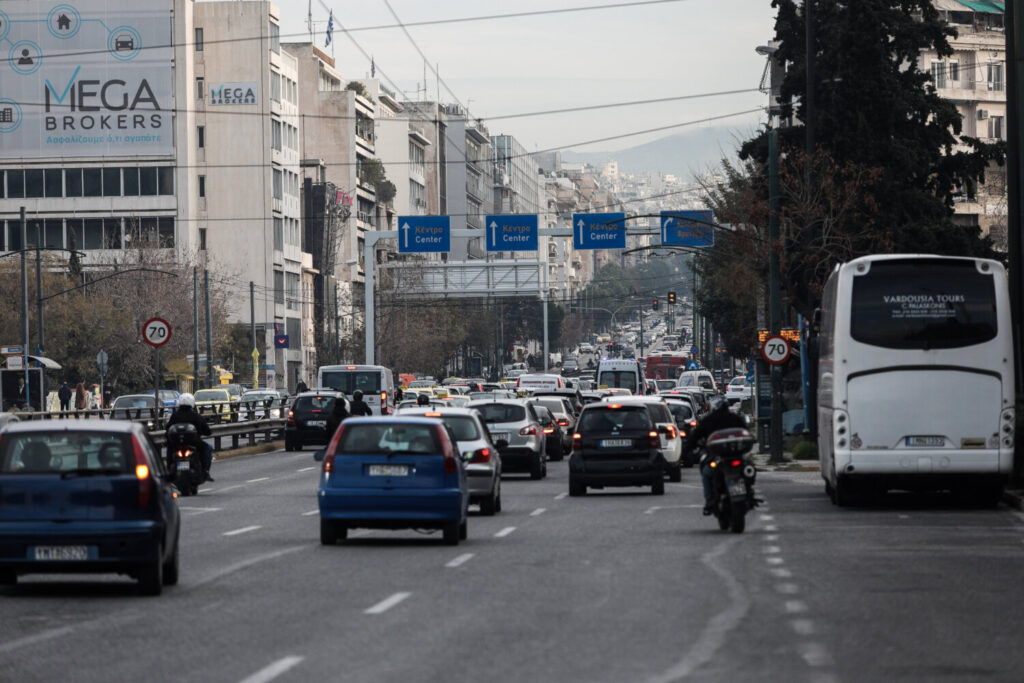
(776, 350)
(156, 331)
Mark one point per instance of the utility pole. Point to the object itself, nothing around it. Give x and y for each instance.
(641, 329)
(774, 295)
(209, 329)
(252, 331)
(39, 299)
(24, 311)
(809, 112)
(1015, 192)
(195, 327)
(337, 332)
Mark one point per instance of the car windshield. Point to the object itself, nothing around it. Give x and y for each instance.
(463, 427)
(737, 382)
(608, 419)
(323, 404)
(211, 395)
(553, 406)
(57, 452)
(680, 411)
(361, 439)
(348, 381)
(501, 412)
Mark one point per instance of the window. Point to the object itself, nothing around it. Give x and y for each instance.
(92, 182)
(202, 186)
(93, 234)
(112, 233)
(953, 71)
(275, 38)
(199, 39)
(200, 87)
(275, 135)
(131, 182)
(14, 238)
(1, 195)
(201, 136)
(202, 239)
(275, 86)
(15, 184)
(996, 129)
(112, 182)
(53, 233)
(147, 181)
(34, 182)
(278, 287)
(939, 74)
(75, 233)
(277, 184)
(292, 280)
(165, 229)
(165, 175)
(278, 234)
(53, 182)
(928, 304)
(995, 76)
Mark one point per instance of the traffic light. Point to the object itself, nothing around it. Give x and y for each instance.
(671, 298)
(654, 305)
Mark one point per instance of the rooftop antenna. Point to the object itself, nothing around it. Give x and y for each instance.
(309, 20)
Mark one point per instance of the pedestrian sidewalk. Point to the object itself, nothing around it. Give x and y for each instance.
(761, 461)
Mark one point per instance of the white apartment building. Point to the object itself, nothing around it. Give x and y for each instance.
(245, 169)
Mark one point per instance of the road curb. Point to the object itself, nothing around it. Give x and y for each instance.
(1014, 499)
(249, 450)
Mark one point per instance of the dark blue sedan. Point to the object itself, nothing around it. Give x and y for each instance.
(393, 473)
(86, 496)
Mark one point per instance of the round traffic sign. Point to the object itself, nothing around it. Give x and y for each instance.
(776, 350)
(693, 365)
(694, 350)
(156, 331)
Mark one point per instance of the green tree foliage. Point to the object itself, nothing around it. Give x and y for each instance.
(879, 116)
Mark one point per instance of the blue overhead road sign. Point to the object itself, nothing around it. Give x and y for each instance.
(687, 228)
(599, 231)
(419, 234)
(512, 232)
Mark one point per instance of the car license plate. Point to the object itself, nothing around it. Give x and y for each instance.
(498, 436)
(62, 552)
(616, 443)
(316, 423)
(389, 470)
(184, 466)
(926, 441)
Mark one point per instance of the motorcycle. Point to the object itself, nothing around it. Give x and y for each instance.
(183, 460)
(732, 477)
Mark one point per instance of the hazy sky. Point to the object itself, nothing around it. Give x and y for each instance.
(550, 61)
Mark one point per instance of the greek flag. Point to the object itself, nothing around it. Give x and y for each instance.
(330, 29)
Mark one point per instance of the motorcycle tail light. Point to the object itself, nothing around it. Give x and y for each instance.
(737, 463)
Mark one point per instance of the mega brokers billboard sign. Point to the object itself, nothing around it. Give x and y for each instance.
(83, 79)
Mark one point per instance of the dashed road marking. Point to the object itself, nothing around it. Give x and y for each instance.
(787, 588)
(767, 518)
(311, 513)
(781, 573)
(561, 495)
(904, 516)
(814, 654)
(774, 560)
(770, 538)
(198, 511)
(802, 627)
(243, 530)
(387, 603)
(796, 606)
(460, 560)
(771, 550)
(269, 673)
(538, 512)
(253, 481)
(36, 638)
(505, 532)
(306, 469)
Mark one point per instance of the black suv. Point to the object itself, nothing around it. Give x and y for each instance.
(616, 445)
(307, 419)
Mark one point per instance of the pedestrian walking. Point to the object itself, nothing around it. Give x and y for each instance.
(64, 396)
(81, 401)
(301, 387)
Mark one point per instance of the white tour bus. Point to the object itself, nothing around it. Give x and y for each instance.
(916, 381)
(375, 381)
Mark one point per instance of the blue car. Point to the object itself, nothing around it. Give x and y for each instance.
(86, 496)
(168, 397)
(392, 473)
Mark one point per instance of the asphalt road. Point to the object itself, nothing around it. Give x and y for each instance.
(616, 586)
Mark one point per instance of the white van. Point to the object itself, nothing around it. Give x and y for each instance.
(540, 382)
(699, 379)
(621, 374)
(375, 381)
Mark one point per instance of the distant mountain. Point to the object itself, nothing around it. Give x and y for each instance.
(683, 155)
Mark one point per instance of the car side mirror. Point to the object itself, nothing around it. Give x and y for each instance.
(319, 455)
(501, 444)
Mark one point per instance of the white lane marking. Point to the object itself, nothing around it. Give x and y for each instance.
(718, 628)
(269, 673)
(243, 530)
(505, 532)
(561, 495)
(771, 550)
(904, 516)
(185, 508)
(306, 469)
(767, 518)
(774, 560)
(771, 538)
(781, 573)
(253, 481)
(814, 654)
(244, 564)
(652, 510)
(802, 627)
(311, 513)
(771, 527)
(796, 606)
(538, 512)
(387, 603)
(460, 560)
(36, 638)
(787, 588)
(231, 488)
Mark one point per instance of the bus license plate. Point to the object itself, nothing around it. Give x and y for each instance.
(62, 552)
(616, 443)
(926, 441)
(389, 470)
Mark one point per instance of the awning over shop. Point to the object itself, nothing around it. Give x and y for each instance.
(985, 6)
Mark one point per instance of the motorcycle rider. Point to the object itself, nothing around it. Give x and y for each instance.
(720, 417)
(338, 414)
(359, 407)
(186, 413)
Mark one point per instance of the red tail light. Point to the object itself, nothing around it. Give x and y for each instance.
(692, 423)
(482, 455)
(577, 441)
(655, 441)
(331, 448)
(142, 472)
(736, 463)
(562, 422)
(384, 403)
(671, 431)
(291, 418)
(529, 430)
(451, 465)
(549, 430)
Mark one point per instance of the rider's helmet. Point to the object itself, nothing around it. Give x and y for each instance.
(187, 399)
(423, 400)
(357, 395)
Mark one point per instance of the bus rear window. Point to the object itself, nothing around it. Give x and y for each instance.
(348, 381)
(929, 304)
(620, 379)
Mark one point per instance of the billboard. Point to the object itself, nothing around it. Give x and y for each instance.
(84, 79)
(233, 93)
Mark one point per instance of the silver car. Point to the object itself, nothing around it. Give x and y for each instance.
(565, 417)
(483, 461)
(516, 423)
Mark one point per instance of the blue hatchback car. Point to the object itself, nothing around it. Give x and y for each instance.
(86, 496)
(392, 473)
